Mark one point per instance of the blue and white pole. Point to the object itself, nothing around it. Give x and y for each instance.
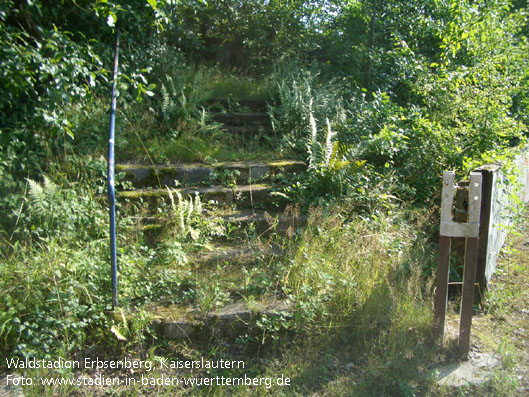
(111, 190)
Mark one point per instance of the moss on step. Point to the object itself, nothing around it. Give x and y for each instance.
(166, 175)
(174, 312)
(184, 322)
(246, 196)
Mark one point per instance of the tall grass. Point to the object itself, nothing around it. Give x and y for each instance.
(175, 126)
(343, 259)
(360, 279)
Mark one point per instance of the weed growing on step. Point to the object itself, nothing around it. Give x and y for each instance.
(302, 95)
(224, 177)
(188, 217)
(211, 295)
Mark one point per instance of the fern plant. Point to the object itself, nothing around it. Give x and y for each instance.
(172, 106)
(334, 170)
(41, 195)
(57, 212)
(327, 154)
(188, 214)
(180, 101)
(302, 99)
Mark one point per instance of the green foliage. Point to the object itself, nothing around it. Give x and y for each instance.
(358, 284)
(224, 177)
(53, 61)
(48, 217)
(176, 106)
(239, 35)
(407, 144)
(188, 215)
(480, 71)
(342, 262)
(272, 326)
(42, 76)
(335, 172)
(450, 78)
(59, 257)
(302, 93)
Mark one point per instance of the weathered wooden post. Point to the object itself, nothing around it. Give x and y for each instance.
(489, 174)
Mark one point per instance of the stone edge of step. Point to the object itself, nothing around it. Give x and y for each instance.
(228, 320)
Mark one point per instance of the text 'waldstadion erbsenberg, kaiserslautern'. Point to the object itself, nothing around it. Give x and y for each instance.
(125, 363)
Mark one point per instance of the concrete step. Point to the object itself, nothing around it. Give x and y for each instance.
(264, 222)
(233, 270)
(144, 175)
(241, 118)
(8, 389)
(245, 196)
(235, 255)
(236, 271)
(247, 131)
(230, 321)
(254, 105)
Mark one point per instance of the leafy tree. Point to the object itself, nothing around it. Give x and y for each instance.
(54, 60)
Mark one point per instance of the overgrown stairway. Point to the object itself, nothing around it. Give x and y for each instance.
(231, 278)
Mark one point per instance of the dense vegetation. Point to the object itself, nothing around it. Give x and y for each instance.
(379, 97)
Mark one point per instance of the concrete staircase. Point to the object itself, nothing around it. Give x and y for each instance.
(247, 197)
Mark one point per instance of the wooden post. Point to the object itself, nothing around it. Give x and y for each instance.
(467, 304)
(445, 241)
(441, 292)
(471, 259)
(488, 173)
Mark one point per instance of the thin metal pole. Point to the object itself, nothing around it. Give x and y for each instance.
(111, 191)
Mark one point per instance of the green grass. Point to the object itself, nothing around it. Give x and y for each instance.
(173, 126)
(239, 88)
(200, 146)
(142, 136)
